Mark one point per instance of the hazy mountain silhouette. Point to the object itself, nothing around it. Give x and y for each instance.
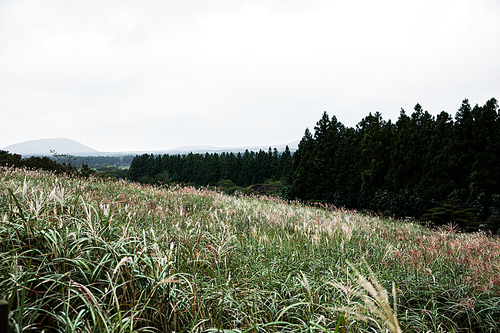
(66, 146)
(44, 146)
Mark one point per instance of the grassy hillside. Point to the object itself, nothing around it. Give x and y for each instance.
(95, 256)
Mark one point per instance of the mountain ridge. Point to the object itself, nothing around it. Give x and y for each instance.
(46, 147)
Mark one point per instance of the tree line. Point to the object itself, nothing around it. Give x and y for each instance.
(212, 168)
(33, 162)
(439, 168)
(58, 163)
(104, 166)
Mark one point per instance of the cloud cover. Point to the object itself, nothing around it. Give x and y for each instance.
(128, 75)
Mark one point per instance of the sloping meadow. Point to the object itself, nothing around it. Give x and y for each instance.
(91, 255)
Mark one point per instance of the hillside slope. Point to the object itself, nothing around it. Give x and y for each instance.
(103, 256)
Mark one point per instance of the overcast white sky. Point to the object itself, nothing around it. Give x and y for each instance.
(140, 75)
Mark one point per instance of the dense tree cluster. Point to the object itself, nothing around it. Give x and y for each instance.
(211, 169)
(418, 165)
(105, 166)
(65, 163)
(33, 162)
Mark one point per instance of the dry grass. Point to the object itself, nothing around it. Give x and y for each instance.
(101, 256)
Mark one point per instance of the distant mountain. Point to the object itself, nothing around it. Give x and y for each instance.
(44, 146)
(66, 146)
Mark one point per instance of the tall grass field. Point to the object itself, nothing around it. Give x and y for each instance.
(91, 255)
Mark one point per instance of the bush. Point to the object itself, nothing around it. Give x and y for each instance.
(451, 212)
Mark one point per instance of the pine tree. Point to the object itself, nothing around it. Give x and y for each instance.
(301, 168)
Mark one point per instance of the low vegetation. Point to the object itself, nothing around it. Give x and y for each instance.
(90, 255)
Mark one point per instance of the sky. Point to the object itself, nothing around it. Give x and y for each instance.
(121, 75)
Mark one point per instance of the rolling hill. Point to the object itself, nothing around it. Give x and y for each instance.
(45, 146)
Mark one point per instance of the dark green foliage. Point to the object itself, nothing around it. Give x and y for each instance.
(33, 162)
(403, 203)
(301, 167)
(64, 164)
(418, 165)
(228, 171)
(228, 186)
(450, 212)
(7, 159)
(493, 222)
(85, 171)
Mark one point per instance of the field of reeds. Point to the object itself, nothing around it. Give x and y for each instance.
(91, 255)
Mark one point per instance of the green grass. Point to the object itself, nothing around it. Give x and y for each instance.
(101, 256)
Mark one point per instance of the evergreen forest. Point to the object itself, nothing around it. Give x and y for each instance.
(441, 169)
(241, 170)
